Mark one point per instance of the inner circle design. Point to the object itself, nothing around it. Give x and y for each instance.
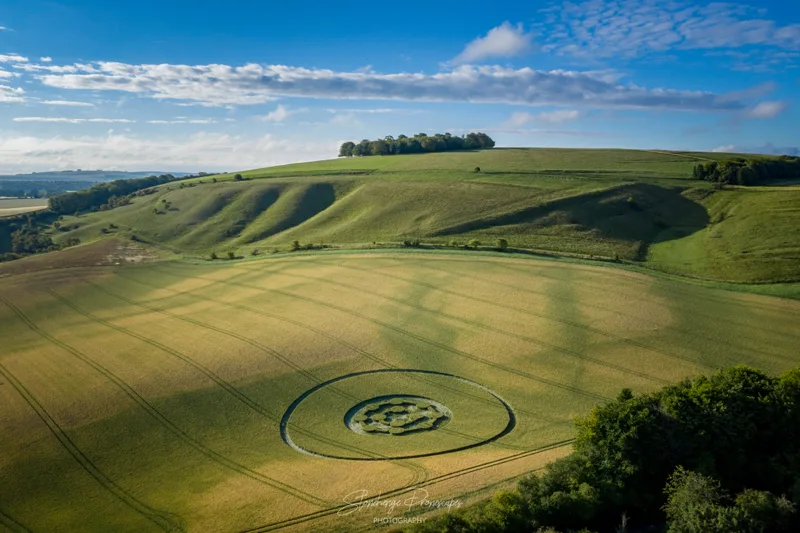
(396, 416)
(286, 434)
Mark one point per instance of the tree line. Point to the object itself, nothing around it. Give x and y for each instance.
(418, 144)
(716, 454)
(748, 171)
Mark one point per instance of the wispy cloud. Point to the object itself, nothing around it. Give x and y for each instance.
(503, 41)
(12, 58)
(767, 109)
(64, 120)
(378, 111)
(548, 117)
(632, 28)
(68, 103)
(184, 121)
(769, 149)
(11, 94)
(199, 152)
(281, 113)
(252, 84)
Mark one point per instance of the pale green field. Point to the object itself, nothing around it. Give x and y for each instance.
(16, 206)
(150, 397)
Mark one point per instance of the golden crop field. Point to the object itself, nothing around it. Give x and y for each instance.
(258, 395)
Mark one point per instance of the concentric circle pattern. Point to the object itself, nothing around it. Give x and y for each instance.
(395, 414)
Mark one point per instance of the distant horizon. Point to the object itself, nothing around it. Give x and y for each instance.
(220, 170)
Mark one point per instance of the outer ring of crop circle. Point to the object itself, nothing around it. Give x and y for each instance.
(287, 439)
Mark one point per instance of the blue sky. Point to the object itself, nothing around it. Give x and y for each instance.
(231, 85)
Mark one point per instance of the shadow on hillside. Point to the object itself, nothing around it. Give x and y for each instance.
(633, 212)
(314, 199)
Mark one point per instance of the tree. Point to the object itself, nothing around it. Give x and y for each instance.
(346, 150)
(295, 245)
(502, 244)
(213, 255)
(238, 177)
(231, 254)
(474, 243)
(379, 147)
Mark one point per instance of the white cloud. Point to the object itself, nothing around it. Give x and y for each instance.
(503, 41)
(63, 120)
(198, 152)
(11, 95)
(3, 28)
(68, 103)
(281, 113)
(769, 149)
(549, 117)
(46, 59)
(12, 58)
(767, 109)
(252, 83)
(631, 28)
(6, 74)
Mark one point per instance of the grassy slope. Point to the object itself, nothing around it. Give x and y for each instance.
(626, 203)
(169, 379)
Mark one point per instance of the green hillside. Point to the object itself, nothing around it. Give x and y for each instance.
(628, 204)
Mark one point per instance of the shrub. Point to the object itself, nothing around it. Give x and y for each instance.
(502, 244)
(254, 252)
(213, 180)
(295, 245)
(477, 169)
(231, 254)
(238, 177)
(213, 255)
(454, 243)
(474, 243)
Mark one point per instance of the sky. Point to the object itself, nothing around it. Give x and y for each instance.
(222, 86)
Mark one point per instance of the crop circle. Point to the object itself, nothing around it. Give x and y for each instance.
(389, 414)
(396, 416)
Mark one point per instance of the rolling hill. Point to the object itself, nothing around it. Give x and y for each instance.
(631, 205)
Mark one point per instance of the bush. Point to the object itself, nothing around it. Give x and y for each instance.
(254, 252)
(474, 243)
(295, 245)
(213, 255)
(231, 254)
(477, 169)
(238, 177)
(502, 244)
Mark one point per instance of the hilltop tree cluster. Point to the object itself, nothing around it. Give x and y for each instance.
(418, 144)
(712, 455)
(748, 171)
